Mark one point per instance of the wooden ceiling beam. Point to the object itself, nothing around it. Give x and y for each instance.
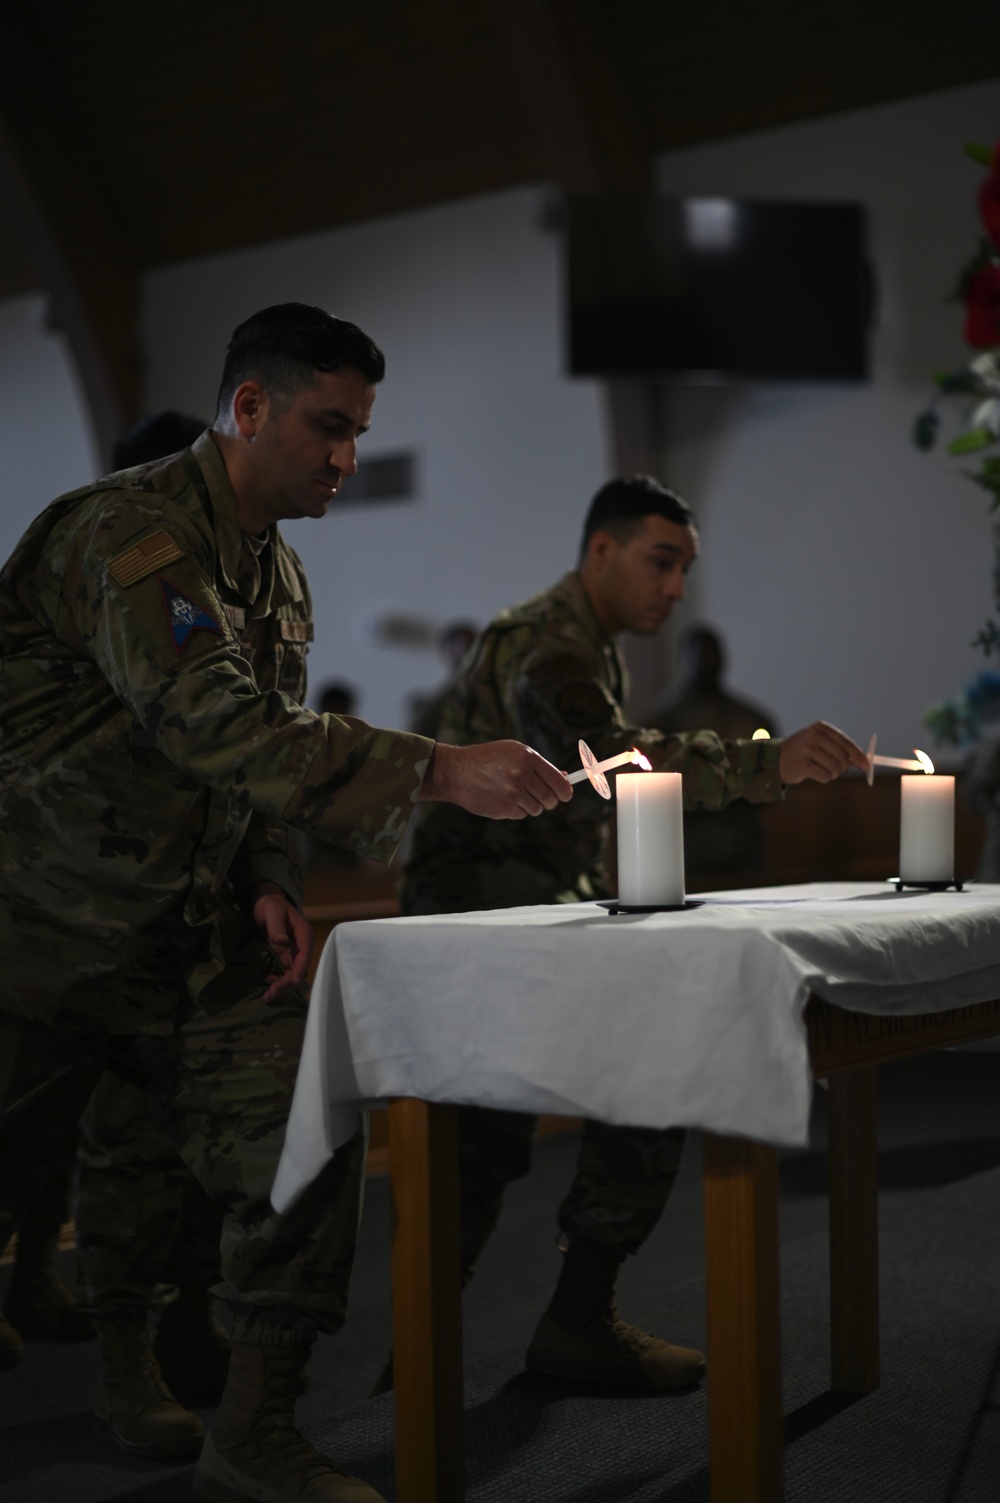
(65, 230)
(561, 59)
(607, 95)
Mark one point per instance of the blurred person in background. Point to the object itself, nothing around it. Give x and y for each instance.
(318, 857)
(338, 698)
(729, 842)
(453, 643)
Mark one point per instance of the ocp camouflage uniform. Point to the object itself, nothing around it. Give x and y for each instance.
(548, 673)
(144, 1226)
(153, 753)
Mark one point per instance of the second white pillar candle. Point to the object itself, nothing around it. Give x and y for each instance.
(650, 839)
(927, 828)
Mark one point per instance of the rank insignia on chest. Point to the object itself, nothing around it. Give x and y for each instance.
(184, 615)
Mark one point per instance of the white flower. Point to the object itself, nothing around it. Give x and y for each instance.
(987, 415)
(987, 368)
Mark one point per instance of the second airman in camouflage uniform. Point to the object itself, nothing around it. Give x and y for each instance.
(550, 672)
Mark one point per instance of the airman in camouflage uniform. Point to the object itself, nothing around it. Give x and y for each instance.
(147, 1234)
(550, 672)
(549, 668)
(154, 750)
(153, 753)
(147, 1238)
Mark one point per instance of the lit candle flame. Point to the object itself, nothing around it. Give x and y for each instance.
(595, 770)
(919, 762)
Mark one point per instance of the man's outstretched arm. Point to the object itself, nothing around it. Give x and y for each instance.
(497, 779)
(819, 752)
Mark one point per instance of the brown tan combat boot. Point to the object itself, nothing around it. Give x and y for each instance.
(253, 1449)
(193, 1349)
(38, 1304)
(134, 1405)
(582, 1337)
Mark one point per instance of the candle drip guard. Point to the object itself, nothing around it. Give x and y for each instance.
(615, 908)
(899, 883)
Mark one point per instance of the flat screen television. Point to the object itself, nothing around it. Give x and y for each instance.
(705, 289)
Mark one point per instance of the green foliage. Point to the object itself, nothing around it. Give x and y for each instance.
(979, 153)
(971, 440)
(961, 720)
(943, 721)
(988, 476)
(957, 383)
(981, 257)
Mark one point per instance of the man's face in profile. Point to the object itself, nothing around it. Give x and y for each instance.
(640, 578)
(302, 452)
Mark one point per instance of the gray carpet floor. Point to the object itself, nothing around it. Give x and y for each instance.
(930, 1434)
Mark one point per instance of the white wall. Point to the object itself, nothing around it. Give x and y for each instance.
(848, 571)
(46, 445)
(464, 300)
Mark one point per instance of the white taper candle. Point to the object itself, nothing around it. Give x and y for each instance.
(619, 761)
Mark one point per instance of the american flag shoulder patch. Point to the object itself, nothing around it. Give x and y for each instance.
(144, 557)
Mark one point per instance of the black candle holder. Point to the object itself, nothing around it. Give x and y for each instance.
(615, 908)
(900, 882)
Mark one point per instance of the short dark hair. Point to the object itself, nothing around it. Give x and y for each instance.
(284, 346)
(620, 506)
(155, 437)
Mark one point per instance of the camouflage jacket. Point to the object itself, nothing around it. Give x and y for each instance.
(153, 747)
(547, 673)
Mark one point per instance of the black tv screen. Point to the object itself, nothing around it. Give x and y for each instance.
(703, 288)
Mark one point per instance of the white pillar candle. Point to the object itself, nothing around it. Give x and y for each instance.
(650, 839)
(927, 828)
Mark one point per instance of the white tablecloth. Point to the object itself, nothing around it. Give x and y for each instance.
(691, 1018)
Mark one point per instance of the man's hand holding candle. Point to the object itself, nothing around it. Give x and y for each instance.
(497, 779)
(819, 752)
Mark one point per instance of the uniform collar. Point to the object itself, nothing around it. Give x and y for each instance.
(570, 588)
(262, 576)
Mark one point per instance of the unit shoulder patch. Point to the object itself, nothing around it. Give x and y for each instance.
(144, 557)
(184, 615)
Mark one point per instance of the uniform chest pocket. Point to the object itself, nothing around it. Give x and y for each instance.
(290, 655)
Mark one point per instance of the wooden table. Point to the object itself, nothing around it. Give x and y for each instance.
(742, 1272)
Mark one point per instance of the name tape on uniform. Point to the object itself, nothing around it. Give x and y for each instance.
(296, 631)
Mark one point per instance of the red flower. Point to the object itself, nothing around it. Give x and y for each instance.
(989, 199)
(982, 308)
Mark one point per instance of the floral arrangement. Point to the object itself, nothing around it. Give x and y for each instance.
(977, 386)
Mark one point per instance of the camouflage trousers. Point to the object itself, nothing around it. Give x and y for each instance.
(623, 1179)
(219, 1087)
(144, 1225)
